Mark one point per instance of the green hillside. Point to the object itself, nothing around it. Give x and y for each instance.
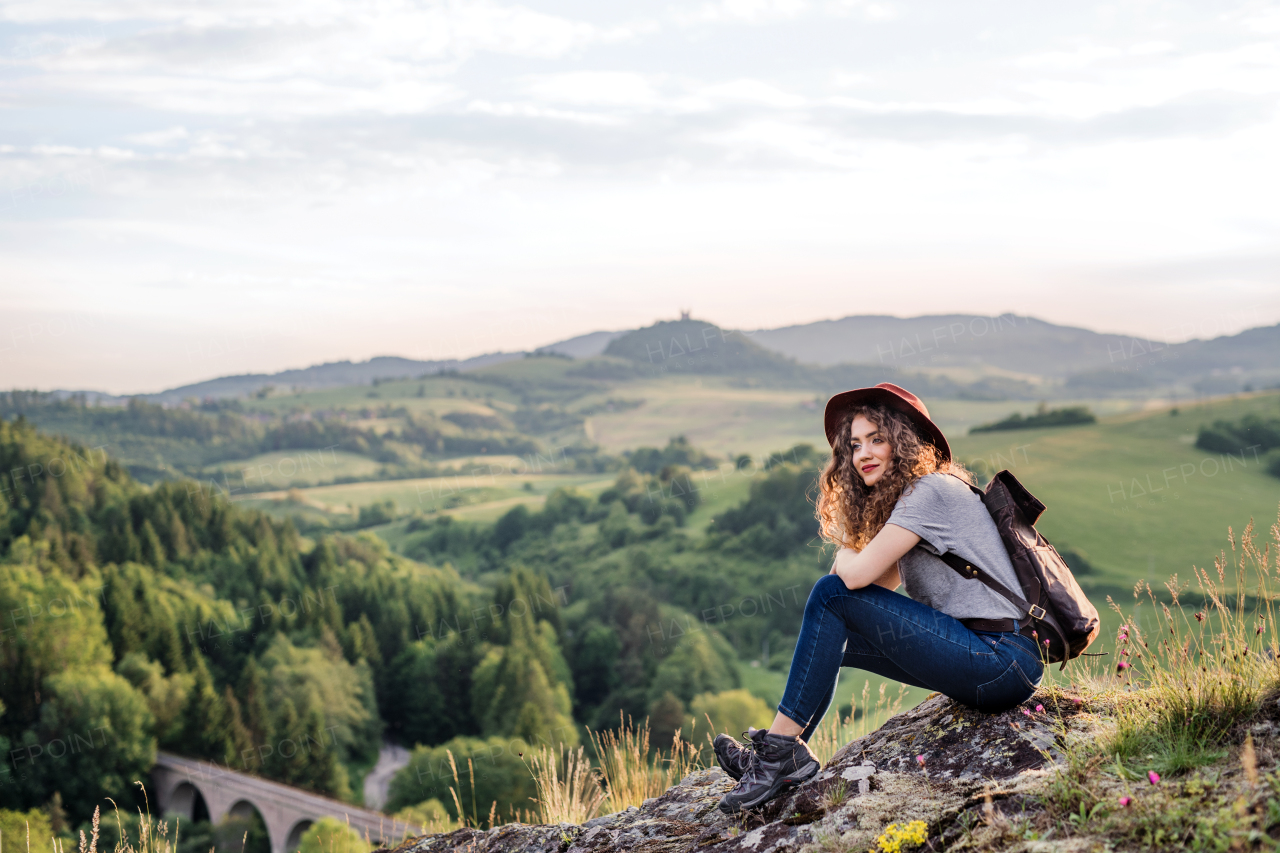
(1133, 492)
(665, 567)
(172, 617)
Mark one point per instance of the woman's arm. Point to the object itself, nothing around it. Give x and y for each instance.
(878, 562)
(890, 580)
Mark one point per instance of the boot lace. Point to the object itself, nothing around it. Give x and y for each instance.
(754, 770)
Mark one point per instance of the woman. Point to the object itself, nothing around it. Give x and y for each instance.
(892, 500)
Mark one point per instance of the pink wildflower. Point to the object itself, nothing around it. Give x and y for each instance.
(920, 760)
(1025, 711)
(1126, 801)
(1153, 777)
(1124, 664)
(1039, 709)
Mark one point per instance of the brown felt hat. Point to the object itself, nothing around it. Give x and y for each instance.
(886, 394)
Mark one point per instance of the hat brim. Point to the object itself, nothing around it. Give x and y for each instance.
(841, 403)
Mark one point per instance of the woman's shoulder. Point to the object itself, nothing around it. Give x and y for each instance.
(937, 485)
(939, 481)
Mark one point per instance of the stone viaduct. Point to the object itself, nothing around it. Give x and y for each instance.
(287, 811)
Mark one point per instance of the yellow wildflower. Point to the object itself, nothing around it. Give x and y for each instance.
(898, 837)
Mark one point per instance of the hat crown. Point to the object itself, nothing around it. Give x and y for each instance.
(894, 396)
(905, 395)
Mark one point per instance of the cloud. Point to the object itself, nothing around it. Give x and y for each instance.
(453, 150)
(742, 11)
(595, 88)
(1197, 114)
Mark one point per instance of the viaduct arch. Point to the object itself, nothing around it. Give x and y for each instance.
(288, 812)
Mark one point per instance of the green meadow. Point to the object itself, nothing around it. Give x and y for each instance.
(478, 494)
(1132, 492)
(287, 469)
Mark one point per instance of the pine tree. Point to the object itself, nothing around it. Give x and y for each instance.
(322, 770)
(522, 689)
(207, 724)
(253, 703)
(283, 760)
(238, 744)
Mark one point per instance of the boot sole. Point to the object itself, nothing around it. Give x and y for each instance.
(780, 786)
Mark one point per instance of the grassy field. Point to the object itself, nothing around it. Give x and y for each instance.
(288, 469)
(723, 418)
(1132, 491)
(475, 496)
(718, 414)
(439, 393)
(1135, 496)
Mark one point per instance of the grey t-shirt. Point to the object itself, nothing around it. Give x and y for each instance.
(947, 516)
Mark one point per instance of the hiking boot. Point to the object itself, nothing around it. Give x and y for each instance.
(732, 756)
(778, 764)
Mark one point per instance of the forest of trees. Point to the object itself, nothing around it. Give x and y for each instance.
(141, 618)
(1043, 417)
(1251, 434)
(202, 434)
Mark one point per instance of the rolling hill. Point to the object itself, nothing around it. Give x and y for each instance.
(950, 355)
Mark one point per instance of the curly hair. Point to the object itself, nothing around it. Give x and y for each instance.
(850, 513)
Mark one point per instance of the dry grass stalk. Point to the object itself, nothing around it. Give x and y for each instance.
(1249, 760)
(568, 790)
(631, 773)
(1185, 673)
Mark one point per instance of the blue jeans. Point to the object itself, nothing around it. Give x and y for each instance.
(891, 635)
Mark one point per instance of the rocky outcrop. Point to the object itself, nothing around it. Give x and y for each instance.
(932, 763)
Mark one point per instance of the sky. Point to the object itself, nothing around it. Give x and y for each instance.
(209, 187)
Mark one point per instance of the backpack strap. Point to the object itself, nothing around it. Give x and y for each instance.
(967, 570)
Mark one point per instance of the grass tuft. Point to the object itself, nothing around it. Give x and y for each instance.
(632, 772)
(1195, 673)
(568, 789)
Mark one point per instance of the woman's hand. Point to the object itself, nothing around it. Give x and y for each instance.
(878, 562)
(843, 558)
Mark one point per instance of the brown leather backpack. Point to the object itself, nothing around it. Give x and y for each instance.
(1054, 610)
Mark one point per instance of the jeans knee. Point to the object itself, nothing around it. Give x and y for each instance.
(826, 587)
(828, 584)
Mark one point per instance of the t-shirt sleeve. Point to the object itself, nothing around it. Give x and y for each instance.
(923, 510)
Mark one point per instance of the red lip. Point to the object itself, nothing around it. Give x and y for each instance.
(866, 468)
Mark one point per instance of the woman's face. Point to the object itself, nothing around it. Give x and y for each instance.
(872, 455)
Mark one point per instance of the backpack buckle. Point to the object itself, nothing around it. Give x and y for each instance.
(1034, 615)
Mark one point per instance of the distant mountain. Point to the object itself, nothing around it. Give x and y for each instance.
(1009, 342)
(583, 346)
(1225, 363)
(696, 346)
(333, 374)
(1081, 360)
(1057, 360)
